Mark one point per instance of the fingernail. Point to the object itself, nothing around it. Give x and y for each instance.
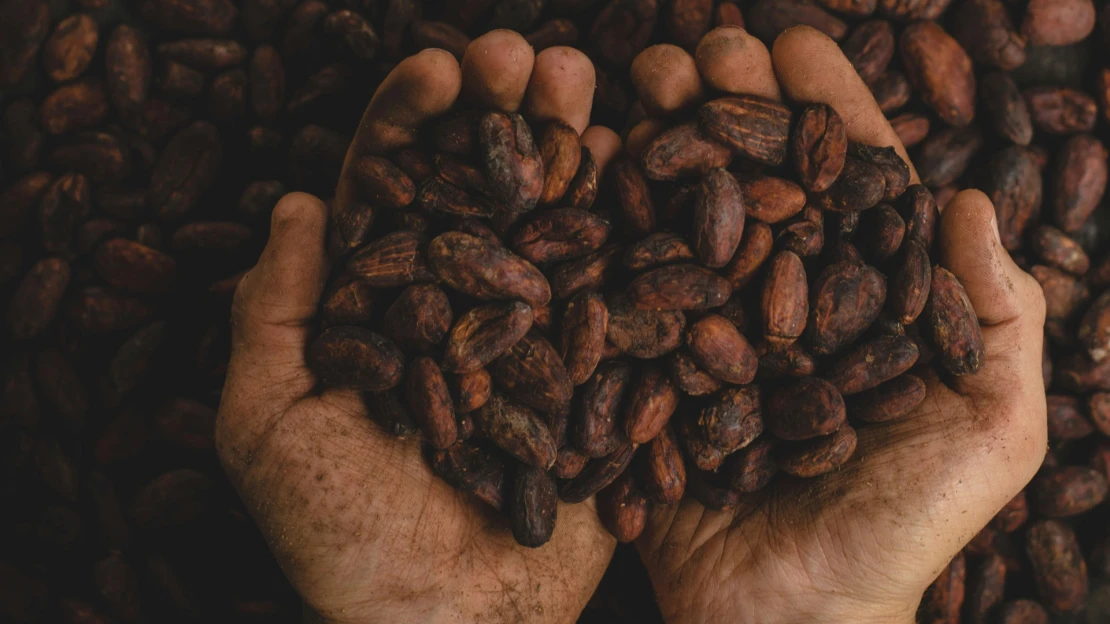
(994, 228)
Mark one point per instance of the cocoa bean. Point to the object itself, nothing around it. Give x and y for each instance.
(355, 357)
(623, 509)
(754, 127)
(533, 506)
(518, 430)
(954, 325)
(817, 456)
(597, 425)
(820, 144)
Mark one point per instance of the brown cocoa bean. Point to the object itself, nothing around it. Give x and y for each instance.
(582, 189)
(1058, 566)
(945, 155)
(484, 333)
(485, 271)
(683, 151)
(430, 403)
(637, 208)
(719, 348)
(755, 128)
(1006, 106)
(661, 470)
(185, 169)
(590, 272)
(941, 70)
(731, 419)
(533, 506)
(870, 47)
(622, 508)
(597, 475)
(817, 456)
(944, 600)
(355, 357)
(130, 266)
(820, 144)
(754, 249)
(513, 163)
(1059, 250)
(1058, 23)
(805, 409)
(769, 18)
(200, 17)
(888, 401)
(985, 588)
(1022, 612)
(532, 372)
(785, 301)
(419, 318)
(691, 378)
(718, 218)
(622, 30)
(25, 26)
(873, 363)
(892, 91)
(789, 361)
(1060, 110)
(984, 29)
(657, 249)
(70, 48)
(911, 128)
(560, 234)
(556, 32)
(678, 287)
(585, 323)
(954, 325)
(518, 430)
(1067, 491)
(561, 152)
(597, 424)
(652, 402)
(75, 105)
(1079, 181)
(771, 199)
(847, 298)
(36, 300)
(860, 186)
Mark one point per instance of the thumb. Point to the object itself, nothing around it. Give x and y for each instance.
(276, 301)
(1009, 302)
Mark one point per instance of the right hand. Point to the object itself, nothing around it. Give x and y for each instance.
(863, 543)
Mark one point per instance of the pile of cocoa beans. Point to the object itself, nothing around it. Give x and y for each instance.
(544, 340)
(121, 120)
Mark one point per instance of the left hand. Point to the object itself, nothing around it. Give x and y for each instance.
(361, 526)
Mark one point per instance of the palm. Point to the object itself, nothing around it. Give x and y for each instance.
(368, 515)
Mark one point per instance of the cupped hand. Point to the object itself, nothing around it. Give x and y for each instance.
(362, 528)
(860, 544)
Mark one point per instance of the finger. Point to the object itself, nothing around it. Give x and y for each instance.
(666, 79)
(812, 69)
(562, 87)
(495, 70)
(1008, 301)
(276, 302)
(732, 61)
(422, 86)
(604, 146)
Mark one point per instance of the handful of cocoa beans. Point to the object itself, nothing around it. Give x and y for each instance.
(727, 308)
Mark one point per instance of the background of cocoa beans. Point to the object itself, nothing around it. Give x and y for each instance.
(179, 123)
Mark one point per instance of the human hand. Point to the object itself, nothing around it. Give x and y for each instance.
(360, 525)
(863, 543)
